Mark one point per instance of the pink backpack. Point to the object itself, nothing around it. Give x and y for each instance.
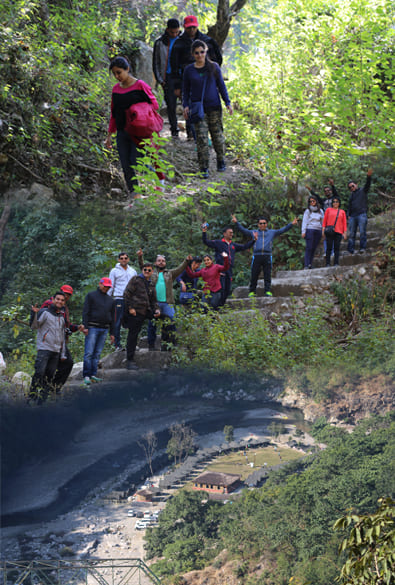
(142, 120)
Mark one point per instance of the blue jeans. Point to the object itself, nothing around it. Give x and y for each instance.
(166, 310)
(358, 221)
(94, 343)
(312, 238)
(212, 299)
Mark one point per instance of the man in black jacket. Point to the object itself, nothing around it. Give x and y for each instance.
(162, 69)
(98, 320)
(140, 304)
(358, 213)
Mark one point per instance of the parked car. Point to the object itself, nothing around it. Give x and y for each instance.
(139, 514)
(131, 513)
(147, 514)
(142, 524)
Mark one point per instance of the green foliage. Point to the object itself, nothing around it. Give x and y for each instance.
(186, 526)
(360, 299)
(370, 546)
(229, 433)
(317, 80)
(181, 442)
(287, 522)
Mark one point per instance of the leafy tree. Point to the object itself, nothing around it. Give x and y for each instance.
(181, 442)
(229, 433)
(370, 546)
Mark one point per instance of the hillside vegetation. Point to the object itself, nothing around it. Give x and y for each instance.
(311, 83)
(282, 532)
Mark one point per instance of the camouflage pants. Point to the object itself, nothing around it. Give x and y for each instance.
(212, 122)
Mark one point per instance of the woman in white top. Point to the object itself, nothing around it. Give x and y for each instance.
(311, 229)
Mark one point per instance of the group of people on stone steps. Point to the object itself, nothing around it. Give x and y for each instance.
(127, 298)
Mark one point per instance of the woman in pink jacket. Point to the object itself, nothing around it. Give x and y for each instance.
(125, 93)
(211, 275)
(336, 218)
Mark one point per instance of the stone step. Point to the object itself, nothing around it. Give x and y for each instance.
(300, 282)
(346, 259)
(282, 305)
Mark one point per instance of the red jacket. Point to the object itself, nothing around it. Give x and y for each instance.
(210, 275)
(330, 218)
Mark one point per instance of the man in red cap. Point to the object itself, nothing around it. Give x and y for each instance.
(181, 55)
(65, 363)
(98, 320)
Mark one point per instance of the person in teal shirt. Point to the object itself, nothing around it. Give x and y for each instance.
(163, 279)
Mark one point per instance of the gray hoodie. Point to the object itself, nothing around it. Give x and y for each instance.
(50, 326)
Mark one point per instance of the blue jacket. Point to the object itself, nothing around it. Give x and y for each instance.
(223, 246)
(192, 87)
(263, 244)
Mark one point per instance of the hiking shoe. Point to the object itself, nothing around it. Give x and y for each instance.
(362, 251)
(131, 365)
(221, 166)
(87, 381)
(204, 173)
(252, 294)
(96, 379)
(268, 294)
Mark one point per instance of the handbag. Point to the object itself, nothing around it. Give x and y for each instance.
(330, 229)
(196, 109)
(142, 120)
(186, 298)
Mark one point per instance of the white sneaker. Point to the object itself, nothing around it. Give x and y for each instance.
(87, 381)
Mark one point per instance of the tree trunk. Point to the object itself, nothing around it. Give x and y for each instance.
(3, 224)
(219, 31)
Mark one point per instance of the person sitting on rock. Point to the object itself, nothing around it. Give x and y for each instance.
(211, 276)
(262, 258)
(189, 285)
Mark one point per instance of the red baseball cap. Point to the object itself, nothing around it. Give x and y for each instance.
(190, 21)
(106, 281)
(66, 288)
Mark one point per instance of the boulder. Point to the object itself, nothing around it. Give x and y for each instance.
(22, 380)
(76, 372)
(142, 63)
(36, 194)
